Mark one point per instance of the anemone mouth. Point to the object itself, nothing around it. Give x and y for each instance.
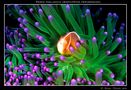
(70, 39)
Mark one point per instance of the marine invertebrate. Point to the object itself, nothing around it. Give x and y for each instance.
(58, 45)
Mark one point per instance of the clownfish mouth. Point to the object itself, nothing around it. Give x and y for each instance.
(67, 41)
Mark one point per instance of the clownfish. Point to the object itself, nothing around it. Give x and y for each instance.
(66, 41)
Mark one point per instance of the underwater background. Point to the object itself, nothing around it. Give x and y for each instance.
(92, 48)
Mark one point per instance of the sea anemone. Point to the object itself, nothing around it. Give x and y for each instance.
(60, 45)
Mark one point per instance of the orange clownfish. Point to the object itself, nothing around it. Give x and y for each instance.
(66, 41)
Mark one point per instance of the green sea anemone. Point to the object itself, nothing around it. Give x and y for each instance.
(85, 56)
